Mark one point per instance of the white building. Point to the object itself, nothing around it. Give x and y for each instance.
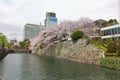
(51, 20)
(113, 31)
(32, 30)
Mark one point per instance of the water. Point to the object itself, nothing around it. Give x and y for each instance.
(33, 67)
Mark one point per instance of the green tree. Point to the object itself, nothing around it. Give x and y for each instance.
(115, 21)
(104, 24)
(3, 39)
(111, 47)
(24, 44)
(118, 47)
(111, 21)
(77, 35)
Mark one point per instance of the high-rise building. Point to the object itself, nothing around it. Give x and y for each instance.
(51, 20)
(32, 30)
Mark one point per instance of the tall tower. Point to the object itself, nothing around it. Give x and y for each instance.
(51, 20)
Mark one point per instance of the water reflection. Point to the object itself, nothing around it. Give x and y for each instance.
(32, 67)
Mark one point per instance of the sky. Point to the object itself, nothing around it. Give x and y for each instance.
(14, 14)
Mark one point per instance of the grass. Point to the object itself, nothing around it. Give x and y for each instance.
(99, 45)
(110, 63)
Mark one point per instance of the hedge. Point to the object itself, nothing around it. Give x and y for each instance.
(110, 63)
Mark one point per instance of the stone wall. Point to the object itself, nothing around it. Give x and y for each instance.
(78, 51)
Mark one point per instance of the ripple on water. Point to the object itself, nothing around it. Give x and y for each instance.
(32, 67)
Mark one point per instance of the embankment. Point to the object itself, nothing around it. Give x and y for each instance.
(3, 53)
(78, 51)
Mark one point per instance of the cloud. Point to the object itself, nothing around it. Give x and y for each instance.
(11, 31)
(19, 12)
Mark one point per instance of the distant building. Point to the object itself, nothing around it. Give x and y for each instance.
(13, 41)
(112, 32)
(32, 30)
(99, 23)
(51, 20)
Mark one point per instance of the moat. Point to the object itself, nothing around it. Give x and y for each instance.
(33, 67)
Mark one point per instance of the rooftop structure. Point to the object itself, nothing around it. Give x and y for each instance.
(51, 20)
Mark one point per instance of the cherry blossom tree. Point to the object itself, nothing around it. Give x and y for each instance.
(63, 31)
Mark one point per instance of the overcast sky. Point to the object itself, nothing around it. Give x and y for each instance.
(14, 14)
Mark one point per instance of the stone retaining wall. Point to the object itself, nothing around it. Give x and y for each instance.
(78, 51)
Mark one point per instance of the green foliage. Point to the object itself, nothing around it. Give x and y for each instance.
(111, 54)
(110, 62)
(111, 21)
(3, 39)
(115, 21)
(111, 47)
(77, 35)
(41, 46)
(118, 47)
(100, 45)
(104, 24)
(24, 44)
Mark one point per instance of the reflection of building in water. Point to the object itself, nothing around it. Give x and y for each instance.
(33, 30)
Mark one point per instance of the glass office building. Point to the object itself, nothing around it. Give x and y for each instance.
(111, 32)
(32, 30)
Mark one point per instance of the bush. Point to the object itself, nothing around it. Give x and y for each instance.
(111, 54)
(77, 35)
(118, 48)
(111, 63)
(111, 47)
(100, 45)
(41, 46)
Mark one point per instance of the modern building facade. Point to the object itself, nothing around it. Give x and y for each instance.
(51, 20)
(112, 32)
(32, 30)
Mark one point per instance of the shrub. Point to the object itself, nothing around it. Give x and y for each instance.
(41, 46)
(111, 63)
(111, 47)
(118, 47)
(100, 45)
(77, 35)
(111, 54)
(104, 24)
